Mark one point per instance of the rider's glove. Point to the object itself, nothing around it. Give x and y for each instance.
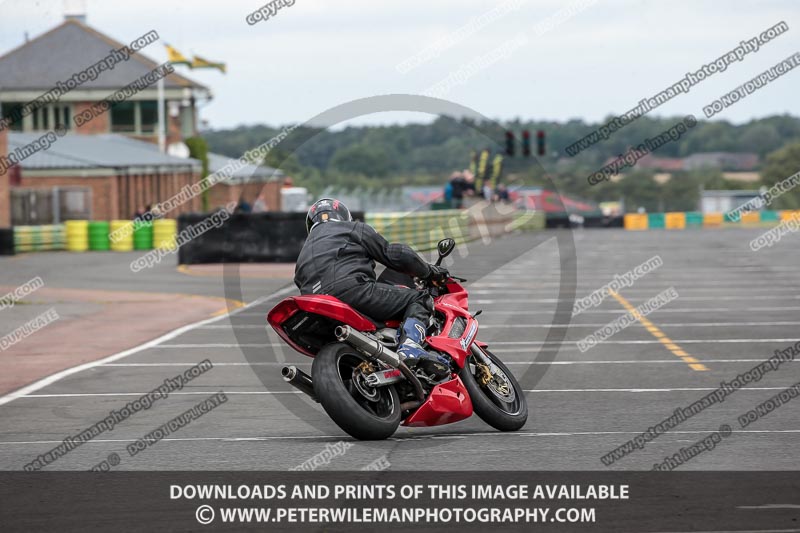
(438, 275)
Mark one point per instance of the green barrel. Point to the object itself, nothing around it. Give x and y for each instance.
(655, 220)
(98, 235)
(694, 219)
(143, 235)
(770, 216)
(729, 218)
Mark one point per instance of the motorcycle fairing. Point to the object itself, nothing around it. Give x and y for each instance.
(447, 403)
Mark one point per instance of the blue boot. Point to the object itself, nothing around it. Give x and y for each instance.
(412, 335)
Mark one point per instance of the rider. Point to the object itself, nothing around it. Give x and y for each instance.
(338, 258)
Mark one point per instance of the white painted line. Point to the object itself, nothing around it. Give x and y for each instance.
(565, 344)
(222, 345)
(660, 310)
(506, 301)
(647, 341)
(593, 362)
(25, 391)
(573, 325)
(661, 324)
(270, 393)
(496, 434)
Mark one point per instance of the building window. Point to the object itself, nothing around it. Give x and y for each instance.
(13, 112)
(149, 114)
(123, 117)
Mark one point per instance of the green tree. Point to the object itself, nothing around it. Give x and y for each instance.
(780, 165)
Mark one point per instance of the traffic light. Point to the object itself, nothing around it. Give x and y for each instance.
(540, 142)
(510, 143)
(526, 143)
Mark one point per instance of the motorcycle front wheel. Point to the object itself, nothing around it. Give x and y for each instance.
(364, 412)
(496, 398)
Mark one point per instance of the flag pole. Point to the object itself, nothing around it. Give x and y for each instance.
(161, 138)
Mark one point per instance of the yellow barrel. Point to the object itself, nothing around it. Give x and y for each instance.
(164, 232)
(77, 235)
(675, 220)
(636, 221)
(713, 219)
(123, 241)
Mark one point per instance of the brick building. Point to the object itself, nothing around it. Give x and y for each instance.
(111, 165)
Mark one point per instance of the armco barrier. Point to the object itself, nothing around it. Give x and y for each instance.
(419, 229)
(39, 238)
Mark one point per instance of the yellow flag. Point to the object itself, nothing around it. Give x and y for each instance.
(176, 58)
(199, 62)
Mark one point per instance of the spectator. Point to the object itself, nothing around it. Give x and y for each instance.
(243, 206)
(448, 193)
(469, 179)
(139, 214)
(260, 205)
(458, 185)
(501, 194)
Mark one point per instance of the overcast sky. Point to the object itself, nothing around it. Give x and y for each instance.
(317, 54)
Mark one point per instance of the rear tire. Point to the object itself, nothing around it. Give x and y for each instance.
(362, 417)
(488, 404)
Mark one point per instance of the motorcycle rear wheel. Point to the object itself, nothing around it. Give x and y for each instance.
(500, 403)
(363, 412)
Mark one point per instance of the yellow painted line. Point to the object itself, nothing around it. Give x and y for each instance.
(657, 333)
(232, 304)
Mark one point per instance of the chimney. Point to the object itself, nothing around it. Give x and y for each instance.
(75, 10)
(5, 185)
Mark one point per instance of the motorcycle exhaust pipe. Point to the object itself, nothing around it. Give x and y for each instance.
(380, 352)
(365, 344)
(299, 380)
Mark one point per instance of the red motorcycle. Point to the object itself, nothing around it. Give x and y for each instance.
(366, 388)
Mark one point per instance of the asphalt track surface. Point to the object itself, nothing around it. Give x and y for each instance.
(735, 308)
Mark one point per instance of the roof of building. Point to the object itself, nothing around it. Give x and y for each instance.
(734, 160)
(70, 48)
(75, 151)
(248, 173)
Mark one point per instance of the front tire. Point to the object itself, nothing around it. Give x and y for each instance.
(363, 412)
(501, 408)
